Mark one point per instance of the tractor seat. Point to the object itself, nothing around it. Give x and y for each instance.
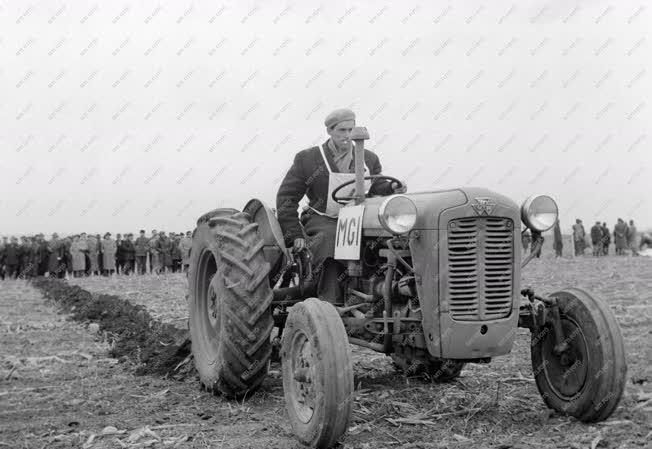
(270, 232)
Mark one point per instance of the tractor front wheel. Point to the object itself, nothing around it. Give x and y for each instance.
(586, 375)
(317, 373)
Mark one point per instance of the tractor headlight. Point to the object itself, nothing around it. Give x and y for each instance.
(539, 212)
(398, 214)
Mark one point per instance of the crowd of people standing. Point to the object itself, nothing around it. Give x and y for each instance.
(86, 255)
(599, 238)
(625, 237)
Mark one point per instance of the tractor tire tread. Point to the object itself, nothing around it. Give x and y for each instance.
(607, 379)
(244, 350)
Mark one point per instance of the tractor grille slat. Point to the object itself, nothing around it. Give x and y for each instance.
(480, 268)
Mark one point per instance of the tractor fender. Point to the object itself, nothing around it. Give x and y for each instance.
(269, 230)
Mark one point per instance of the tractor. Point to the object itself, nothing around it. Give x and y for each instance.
(432, 279)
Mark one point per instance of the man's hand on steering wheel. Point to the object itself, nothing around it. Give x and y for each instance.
(399, 187)
(396, 185)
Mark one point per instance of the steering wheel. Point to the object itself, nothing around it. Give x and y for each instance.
(343, 199)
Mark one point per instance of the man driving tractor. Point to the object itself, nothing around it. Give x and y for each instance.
(317, 172)
(431, 279)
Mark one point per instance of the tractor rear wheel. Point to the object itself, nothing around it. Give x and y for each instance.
(317, 373)
(224, 212)
(229, 304)
(587, 378)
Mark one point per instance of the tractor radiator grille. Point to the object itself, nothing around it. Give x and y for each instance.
(480, 268)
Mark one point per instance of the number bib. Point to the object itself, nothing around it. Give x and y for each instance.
(348, 238)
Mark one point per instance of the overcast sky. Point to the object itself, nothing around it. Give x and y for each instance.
(117, 116)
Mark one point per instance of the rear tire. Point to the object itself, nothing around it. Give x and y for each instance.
(587, 380)
(225, 212)
(229, 304)
(317, 373)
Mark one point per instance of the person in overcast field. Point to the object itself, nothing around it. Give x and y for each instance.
(77, 250)
(620, 237)
(154, 259)
(558, 241)
(606, 239)
(316, 172)
(11, 258)
(185, 245)
(579, 234)
(526, 239)
(93, 254)
(44, 252)
(119, 254)
(129, 254)
(164, 249)
(631, 238)
(141, 247)
(57, 261)
(108, 254)
(596, 239)
(3, 246)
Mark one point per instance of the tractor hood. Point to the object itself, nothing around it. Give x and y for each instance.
(430, 206)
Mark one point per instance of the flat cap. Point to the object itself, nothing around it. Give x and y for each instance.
(337, 116)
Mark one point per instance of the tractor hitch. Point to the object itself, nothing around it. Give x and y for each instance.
(561, 345)
(538, 312)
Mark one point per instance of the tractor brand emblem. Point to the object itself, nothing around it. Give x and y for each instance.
(483, 206)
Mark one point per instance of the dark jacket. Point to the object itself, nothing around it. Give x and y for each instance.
(164, 247)
(308, 176)
(25, 250)
(45, 256)
(12, 254)
(176, 250)
(34, 258)
(119, 251)
(128, 250)
(57, 256)
(596, 234)
(558, 242)
(606, 236)
(142, 246)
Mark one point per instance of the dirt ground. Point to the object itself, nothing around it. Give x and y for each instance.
(59, 388)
